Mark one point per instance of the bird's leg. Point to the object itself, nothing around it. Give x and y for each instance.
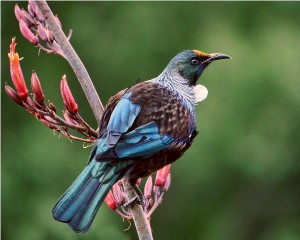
(138, 192)
(139, 198)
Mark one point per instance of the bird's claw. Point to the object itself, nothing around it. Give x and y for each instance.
(137, 199)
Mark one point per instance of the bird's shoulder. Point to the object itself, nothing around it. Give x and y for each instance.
(164, 107)
(157, 104)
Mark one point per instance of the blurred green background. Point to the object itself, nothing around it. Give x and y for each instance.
(241, 177)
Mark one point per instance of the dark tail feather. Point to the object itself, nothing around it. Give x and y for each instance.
(80, 203)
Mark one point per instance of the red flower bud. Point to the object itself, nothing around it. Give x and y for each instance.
(18, 12)
(67, 96)
(32, 8)
(27, 33)
(13, 94)
(167, 183)
(37, 88)
(110, 201)
(16, 72)
(27, 18)
(148, 188)
(161, 175)
(42, 32)
(36, 11)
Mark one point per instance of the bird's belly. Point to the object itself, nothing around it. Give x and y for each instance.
(143, 167)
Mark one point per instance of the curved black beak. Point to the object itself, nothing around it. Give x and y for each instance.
(216, 56)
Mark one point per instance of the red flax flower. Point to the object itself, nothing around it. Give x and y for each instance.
(162, 175)
(35, 105)
(24, 29)
(67, 96)
(148, 188)
(18, 12)
(13, 94)
(16, 71)
(110, 201)
(37, 88)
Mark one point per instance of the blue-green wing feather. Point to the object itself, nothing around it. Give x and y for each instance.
(143, 141)
(121, 119)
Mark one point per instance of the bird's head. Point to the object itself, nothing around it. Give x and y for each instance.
(190, 64)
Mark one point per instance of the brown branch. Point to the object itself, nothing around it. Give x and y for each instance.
(84, 129)
(62, 122)
(141, 223)
(73, 59)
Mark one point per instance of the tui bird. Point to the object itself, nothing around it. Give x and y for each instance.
(143, 128)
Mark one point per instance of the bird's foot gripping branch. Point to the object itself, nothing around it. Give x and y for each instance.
(154, 191)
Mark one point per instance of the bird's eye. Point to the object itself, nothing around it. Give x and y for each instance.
(195, 62)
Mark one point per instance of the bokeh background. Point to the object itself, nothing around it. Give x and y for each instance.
(239, 180)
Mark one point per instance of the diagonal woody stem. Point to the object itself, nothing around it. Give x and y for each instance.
(141, 223)
(74, 60)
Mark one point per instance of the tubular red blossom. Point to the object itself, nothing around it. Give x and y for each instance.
(161, 175)
(167, 183)
(37, 88)
(27, 33)
(67, 96)
(16, 72)
(148, 188)
(13, 94)
(110, 201)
